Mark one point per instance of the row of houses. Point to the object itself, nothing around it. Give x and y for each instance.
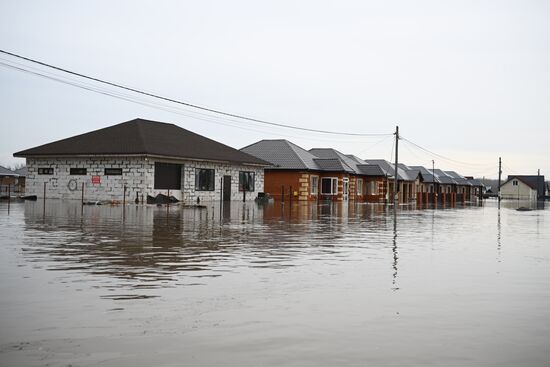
(327, 174)
(141, 158)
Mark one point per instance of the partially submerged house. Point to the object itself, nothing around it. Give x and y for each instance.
(8, 181)
(523, 187)
(318, 174)
(139, 158)
(21, 180)
(408, 179)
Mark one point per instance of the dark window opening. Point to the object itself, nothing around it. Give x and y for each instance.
(167, 176)
(45, 171)
(204, 179)
(78, 171)
(246, 181)
(329, 186)
(113, 171)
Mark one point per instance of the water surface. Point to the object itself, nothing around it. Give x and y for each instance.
(305, 285)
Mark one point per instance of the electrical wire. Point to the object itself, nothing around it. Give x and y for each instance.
(170, 109)
(216, 111)
(445, 158)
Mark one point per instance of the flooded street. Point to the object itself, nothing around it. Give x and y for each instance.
(305, 285)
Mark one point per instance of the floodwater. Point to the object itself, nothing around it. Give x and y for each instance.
(301, 285)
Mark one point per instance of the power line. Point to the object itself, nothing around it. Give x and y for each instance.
(182, 102)
(171, 109)
(442, 156)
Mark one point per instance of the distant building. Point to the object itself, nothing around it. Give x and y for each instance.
(21, 180)
(8, 181)
(146, 158)
(523, 187)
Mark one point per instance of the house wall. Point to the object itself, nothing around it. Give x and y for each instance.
(519, 192)
(138, 175)
(300, 181)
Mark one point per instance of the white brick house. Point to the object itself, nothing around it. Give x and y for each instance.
(146, 158)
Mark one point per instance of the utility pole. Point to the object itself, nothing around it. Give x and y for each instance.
(395, 186)
(499, 175)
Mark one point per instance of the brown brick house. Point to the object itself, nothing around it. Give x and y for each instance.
(318, 174)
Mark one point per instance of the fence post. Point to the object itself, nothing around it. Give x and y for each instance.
(290, 195)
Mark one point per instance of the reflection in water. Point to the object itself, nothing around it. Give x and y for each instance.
(149, 247)
(394, 250)
(498, 236)
(245, 284)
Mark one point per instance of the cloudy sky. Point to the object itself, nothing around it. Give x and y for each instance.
(466, 80)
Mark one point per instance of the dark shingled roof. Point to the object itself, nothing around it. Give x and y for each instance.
(143, 137)
(7, 172)
(282, 154)
(389, 169)
(22, 171)
(348, 164)
(332, 164)
(426, 174)
(370, 170)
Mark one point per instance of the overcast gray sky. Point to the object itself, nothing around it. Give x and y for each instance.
(469, 80)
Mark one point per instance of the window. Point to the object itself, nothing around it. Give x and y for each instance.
(314, 185)
(359, 186)
(246, 181)
(167, 176)
(515, 182)
(45, 171)
(113, 171)
(78, 171)
(204, 179)
(329, 185)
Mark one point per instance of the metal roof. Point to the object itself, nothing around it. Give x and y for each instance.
(332, 164)
(460, 180)
(7, 172)
(282, 154)
(371, 170)
(444, 178)
(388, 169)
(21, 171)
(143, 137)
(348, 163)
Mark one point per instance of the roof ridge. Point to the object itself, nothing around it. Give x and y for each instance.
(292, 147)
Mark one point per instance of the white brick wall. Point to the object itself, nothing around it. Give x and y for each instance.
(137, 174)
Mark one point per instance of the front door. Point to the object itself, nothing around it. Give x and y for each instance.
(345, 184)
(226, 188)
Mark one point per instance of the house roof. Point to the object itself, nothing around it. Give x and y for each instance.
(371, 170)
(349, 164)
(22, 171)
(444, 178)
(535, 182)
(332, 164)
(460, 180)
(282, 154)
(143, 137)
(403, 173)
(427, 175)
(7, 172)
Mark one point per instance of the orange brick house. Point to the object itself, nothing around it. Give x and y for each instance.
(318, 174)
